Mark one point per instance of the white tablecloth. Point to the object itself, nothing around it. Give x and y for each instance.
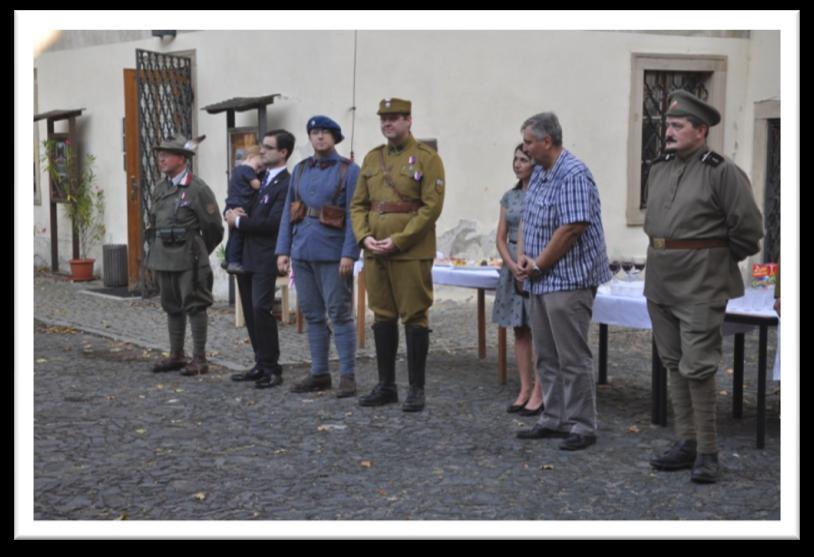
(467, 277)
(631, 311)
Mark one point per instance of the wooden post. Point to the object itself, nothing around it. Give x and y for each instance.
(73, 174)
(53, 204)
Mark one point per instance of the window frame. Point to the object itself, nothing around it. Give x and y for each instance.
(642, 62)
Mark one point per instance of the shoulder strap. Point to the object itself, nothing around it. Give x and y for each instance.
(389, 179)
(712, 158)
(298, 179)
(343, 171)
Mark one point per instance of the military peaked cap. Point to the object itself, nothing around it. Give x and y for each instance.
(683, 103)
(394, 106)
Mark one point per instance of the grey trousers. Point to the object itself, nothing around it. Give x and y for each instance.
(559, 328)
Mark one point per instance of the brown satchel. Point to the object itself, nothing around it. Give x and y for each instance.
(333, 215)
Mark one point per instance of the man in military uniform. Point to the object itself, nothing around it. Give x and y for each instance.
(185, 226)
(398, 198)
(702, 220)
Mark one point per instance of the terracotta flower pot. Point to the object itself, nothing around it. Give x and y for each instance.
(81, 269)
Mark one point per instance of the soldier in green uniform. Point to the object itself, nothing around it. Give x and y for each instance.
(185, 226)
(398, 198)
(702, 220)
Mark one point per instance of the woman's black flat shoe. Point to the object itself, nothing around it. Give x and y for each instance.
(515, 408)
(528, 412)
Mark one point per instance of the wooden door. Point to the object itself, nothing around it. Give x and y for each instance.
(133, 179)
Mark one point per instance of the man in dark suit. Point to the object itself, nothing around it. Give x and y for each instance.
(260, 227)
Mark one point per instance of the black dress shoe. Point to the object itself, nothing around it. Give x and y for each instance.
(577, 442)
(515, 408)
(528, 412)
(380, 395)
(540, 432)
(268, 380)
(252, 375)
(678, 457)
(414, 401)
(705, 470)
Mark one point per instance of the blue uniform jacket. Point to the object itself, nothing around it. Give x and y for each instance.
(309, 240)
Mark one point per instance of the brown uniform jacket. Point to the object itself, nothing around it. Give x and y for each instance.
(191, 206)
(418, 175)
(695, 199)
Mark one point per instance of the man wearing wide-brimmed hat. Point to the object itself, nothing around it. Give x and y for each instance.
(185, 227)
(702, 220)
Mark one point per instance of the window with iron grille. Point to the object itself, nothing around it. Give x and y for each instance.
(658, 86)
(653, 78)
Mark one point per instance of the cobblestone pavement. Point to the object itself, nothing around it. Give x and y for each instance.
(114, 441)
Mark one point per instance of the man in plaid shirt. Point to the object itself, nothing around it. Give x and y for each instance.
(563, 261)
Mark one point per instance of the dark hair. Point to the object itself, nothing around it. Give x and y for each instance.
(519, 185)
(285, 140)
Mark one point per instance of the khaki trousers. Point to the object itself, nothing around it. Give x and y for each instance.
(399, 289)
(688, 339)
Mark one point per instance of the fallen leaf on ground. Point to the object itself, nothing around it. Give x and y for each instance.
(200, 496)
(548, 466)
(366, 464)
(633, 429)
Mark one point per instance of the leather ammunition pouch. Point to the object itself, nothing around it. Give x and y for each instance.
(173, 236)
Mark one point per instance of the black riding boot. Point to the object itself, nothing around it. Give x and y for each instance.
(386, 335)
(418, 344)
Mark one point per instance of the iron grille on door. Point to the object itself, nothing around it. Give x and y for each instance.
(164, 84)
(658, 85)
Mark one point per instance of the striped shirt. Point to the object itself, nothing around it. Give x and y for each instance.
(566, 194)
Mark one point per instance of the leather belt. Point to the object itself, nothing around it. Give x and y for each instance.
(382, 207)
(665, 243)
(312, 212)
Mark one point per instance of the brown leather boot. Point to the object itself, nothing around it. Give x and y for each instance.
(198, 366)
(173, 363)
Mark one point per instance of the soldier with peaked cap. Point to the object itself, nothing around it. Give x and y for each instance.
(702, 220)
(398, 198)
(185, 227)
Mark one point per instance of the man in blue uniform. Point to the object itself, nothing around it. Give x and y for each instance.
(316, 232)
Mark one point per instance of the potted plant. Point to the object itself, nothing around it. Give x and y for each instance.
(84, 204)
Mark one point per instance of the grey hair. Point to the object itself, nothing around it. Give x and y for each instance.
(544, 124)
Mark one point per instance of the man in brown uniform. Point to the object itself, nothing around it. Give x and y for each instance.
(702, 220)
(185, 226)
(398, 198)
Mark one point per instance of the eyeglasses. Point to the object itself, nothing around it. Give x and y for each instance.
(268, 147)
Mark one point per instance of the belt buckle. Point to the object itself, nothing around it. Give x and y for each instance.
(659, 243)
